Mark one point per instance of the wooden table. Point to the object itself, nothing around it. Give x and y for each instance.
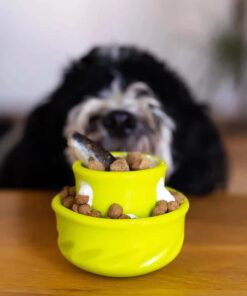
(213, 260)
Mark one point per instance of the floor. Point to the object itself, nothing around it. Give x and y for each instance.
(236, 147)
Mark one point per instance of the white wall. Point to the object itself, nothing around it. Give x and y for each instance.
(39, 38)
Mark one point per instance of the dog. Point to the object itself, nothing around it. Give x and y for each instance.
(125, 99)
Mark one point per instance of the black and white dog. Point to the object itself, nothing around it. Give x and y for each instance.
(125, 99)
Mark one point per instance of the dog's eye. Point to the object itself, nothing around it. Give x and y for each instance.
(92, 124)
(94, 118)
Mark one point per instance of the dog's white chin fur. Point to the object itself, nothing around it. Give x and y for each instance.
(113, 98)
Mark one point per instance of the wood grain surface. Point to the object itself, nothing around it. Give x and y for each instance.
(213, 260)
(236, 148)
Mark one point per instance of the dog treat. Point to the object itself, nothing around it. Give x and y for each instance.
(178, 197)
(132, 157)
(157, 211)
(162, 204)
(84, 209)
(75, 207)
(172, 205)
(141, 164)
(71, 191)
(119, 165)
(124, 216)
(65, 192)
(96, 214)
(68, 201)
(160, 208)
(115, 211)
(138, 161)
(95, 165)
(83, 148)
(81, 199)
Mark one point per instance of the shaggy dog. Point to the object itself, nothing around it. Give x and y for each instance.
(125, 99)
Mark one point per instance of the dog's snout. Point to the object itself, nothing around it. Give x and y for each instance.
(119, 123)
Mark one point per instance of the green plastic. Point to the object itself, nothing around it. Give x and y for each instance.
(119, 248)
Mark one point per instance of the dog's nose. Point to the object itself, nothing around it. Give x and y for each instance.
(119, 123)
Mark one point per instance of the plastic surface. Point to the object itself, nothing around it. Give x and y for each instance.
(119, 248)
(135, 191)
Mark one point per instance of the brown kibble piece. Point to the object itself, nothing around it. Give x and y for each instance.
(133, 156)
(178, 197)
(115, 211)
(84, 209)
(71, 191)
(75, 207)
(158, 211)
(65, 192)
(68, 202)
(95, 165)
(81, 199)
(96, 214)
(119, 165)
(172, 205)
(141, 164)
(162, 204)
(124, 216)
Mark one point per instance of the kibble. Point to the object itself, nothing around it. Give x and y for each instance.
(96, 214)
(132, 157)
(172, 205)
(124, 216)
(160, 208)
(95, 165)
(84, 209)
(115, 211)
(157, 211)
(71, 191)
(178, 197)
(119, 165)
(75, 208)
(141, 164)
(162, 204)
(79, 203)
(133, 161)
(65, 192)
(81, 199)
(68, 201)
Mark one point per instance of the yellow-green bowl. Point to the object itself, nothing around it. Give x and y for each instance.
(135, 191)
(119, 248)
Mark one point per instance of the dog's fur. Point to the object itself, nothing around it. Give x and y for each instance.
(169, 123)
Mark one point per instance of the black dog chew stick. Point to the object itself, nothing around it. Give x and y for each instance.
(83, 148)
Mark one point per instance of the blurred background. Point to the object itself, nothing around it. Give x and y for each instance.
(204, 41)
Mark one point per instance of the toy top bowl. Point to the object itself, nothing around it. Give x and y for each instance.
(135, 191)
(119, 248)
